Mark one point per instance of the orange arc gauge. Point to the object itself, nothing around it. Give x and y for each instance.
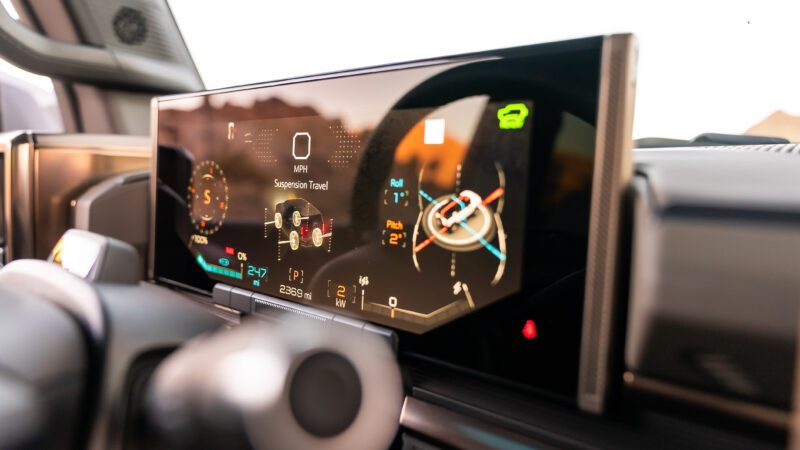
(207, 197)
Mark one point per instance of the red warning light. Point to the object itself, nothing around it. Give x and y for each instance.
(529, 330)
(229, 250)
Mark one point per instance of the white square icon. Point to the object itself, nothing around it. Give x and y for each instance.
(434, 131)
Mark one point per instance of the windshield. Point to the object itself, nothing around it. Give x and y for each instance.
(713, 66)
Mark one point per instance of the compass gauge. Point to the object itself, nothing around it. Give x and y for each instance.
(463, 221)
(459, 223)
(207, 197)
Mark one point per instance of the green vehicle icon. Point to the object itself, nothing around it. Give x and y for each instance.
(512, 116)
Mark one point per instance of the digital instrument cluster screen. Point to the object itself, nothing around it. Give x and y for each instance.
(403, 197)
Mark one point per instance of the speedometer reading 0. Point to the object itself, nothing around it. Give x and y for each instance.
(207, 197)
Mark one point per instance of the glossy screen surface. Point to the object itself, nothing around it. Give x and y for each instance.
(403, 197)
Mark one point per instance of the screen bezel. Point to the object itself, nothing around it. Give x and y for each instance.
(612, 174)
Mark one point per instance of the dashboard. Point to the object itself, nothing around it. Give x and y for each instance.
(450, 252)
(449, 200)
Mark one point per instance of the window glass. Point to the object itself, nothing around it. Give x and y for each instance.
(27, 101)
(710, 66)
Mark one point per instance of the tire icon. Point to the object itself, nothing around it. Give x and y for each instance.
(296, 218)
(294, 240)
(316, 237)
(278, 220)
